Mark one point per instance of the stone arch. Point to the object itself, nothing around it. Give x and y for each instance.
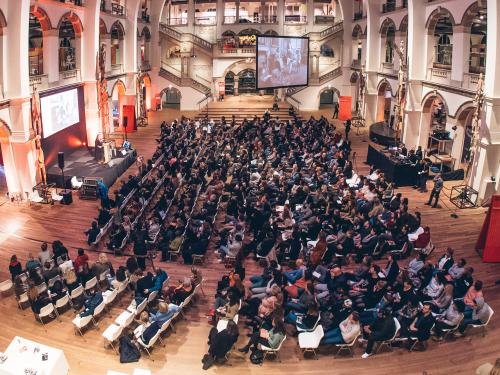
(75, 21)
(5, 131)
(382, 85)
(435, 16)
(429, 98)
(120, 86)
(471, 13)
(172, 93)
(357, 31)
(249, 32)
(463, 109)
(327, 89)
(238, 66)
(42, 17)
(146, 34)
(120, 30)
(3, 22)
(103, 30)
(388, 22)
(271, 32)
(384, 102)
(403, 26)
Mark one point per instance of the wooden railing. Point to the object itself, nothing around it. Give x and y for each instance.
(184, 37)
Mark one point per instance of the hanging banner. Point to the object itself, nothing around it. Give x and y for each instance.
(222, 88)
(489, 239)
(345, 108)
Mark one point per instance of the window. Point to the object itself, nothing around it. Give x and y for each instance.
(205, 13)
(230, 12)
(295, 11)
(444, 50)
(249, 12)
(389, 45)
(178, 14)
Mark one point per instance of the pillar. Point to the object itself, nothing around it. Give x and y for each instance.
(461, 52)
(398, 37)
(347, 51)
(310, 14)
(191, 14)
(51, 54)
(106, 40)
(417, 66)
(372, 60)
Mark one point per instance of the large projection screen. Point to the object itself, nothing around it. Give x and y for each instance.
(59, 111)
(282, 62)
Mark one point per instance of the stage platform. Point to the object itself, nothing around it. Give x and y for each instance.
(382, 134)
(82, 163)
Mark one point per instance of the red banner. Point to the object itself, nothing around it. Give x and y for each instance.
(345, 108)
(489, 238)
(222, 88)
(128, 116)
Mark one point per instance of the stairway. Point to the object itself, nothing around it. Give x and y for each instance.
(244, 108)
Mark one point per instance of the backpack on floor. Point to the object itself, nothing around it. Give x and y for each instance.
(128, 351)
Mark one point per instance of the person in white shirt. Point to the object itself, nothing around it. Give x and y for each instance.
(346, 333)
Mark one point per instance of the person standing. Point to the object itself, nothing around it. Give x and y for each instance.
(336, 110)
(423, 174)
(103, 190)
(347, 129)
(436, 190)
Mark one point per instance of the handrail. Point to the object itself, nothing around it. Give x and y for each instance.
(295, 100)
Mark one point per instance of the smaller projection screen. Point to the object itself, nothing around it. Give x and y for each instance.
(59, 111)
(282, 62)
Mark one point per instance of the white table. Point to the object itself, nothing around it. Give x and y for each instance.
(21, 354)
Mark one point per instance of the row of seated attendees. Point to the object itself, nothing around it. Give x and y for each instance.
(294, 193)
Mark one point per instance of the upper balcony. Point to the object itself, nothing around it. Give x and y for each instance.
(115, 8)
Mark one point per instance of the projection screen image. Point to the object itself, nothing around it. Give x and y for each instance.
(282, 62)
(59, 111)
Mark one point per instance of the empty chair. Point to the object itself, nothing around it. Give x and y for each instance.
(165, 325)
(152, 296)
(309, 341)
(35, 197)
(125, 319)
(62, 302)
(299, 329)
(123, 286)
(89, 285)
(136, 310)
(111, 334)
(23, 300)
(98, 310)
(109, 296)
(42, 288)
(81, 322)
(483, 326)
(56, 197)
(276, 352)
(6, 287)
(389, 342)
(47, 310)
(77, 292)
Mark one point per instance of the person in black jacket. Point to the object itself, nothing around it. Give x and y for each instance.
(382, 329)
(220, 343)
(15, 267)
(421, 325)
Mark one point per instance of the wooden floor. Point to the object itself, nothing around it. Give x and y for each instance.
(23, 227)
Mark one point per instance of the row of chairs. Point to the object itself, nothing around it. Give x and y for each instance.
(309, 340)
(127, 318)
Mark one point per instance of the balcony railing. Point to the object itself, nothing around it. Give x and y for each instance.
(388, 7)
(177, 21)
(229, 19)
(358, 16)
(39, 80)
(205, 20)
(69, 75)
(117, 10)
(295, 18)
(79, 3)
(116, 68)
(324, 19)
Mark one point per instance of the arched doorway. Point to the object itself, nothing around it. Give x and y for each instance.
(117, 100)
(171, 98)
(247, 82)
(328, 97)
(229, 83)
(384, 103)
(145, 95)
(434, 120)
(117, 46)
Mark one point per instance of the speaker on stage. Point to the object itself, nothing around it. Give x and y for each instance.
(60, 160)
(125, 122)
(67, 197)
